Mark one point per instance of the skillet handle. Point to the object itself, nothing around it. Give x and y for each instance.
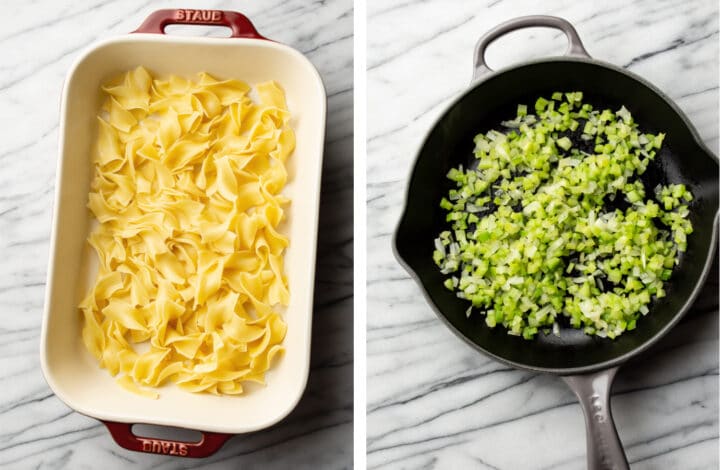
(123, 435)
(604, 449)
(575, 45)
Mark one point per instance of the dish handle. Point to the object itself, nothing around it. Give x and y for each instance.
(240, 24)
(604, 449)
(575, 45)
(210, 443)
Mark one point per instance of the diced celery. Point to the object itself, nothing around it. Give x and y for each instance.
(564, 143)
(541, 104)
(535, 203)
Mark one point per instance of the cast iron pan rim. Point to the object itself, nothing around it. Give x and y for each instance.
(569, 370)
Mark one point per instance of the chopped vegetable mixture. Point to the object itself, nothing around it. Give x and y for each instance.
(553, 220)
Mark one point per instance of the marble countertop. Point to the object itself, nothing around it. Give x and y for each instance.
(433, 402)
(39, 40)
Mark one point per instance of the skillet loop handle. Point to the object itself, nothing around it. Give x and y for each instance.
(604, 449)
(210, 443)
(240, 25)
(575, 45)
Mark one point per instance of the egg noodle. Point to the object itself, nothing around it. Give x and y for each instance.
(186, 192)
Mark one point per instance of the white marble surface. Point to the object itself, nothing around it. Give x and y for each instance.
(38, 41)
(434, 402)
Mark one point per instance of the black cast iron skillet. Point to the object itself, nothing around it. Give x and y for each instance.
(587, 364)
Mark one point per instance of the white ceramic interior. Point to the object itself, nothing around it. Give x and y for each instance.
(72, 373)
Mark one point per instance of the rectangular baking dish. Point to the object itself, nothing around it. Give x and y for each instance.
(71, 372)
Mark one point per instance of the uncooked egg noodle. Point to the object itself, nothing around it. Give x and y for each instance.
(186, 191)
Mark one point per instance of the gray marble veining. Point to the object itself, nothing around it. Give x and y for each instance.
(39, 40)
(434, 402)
